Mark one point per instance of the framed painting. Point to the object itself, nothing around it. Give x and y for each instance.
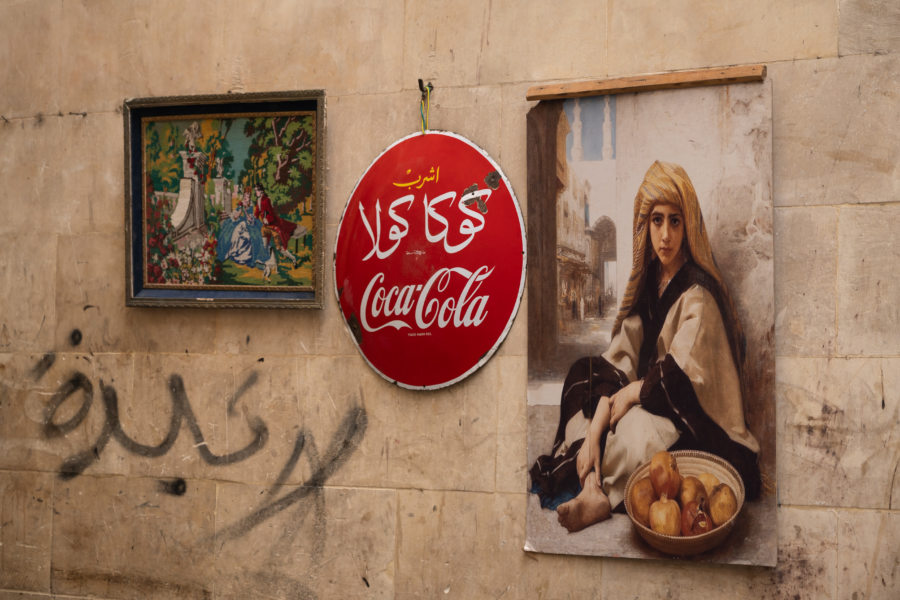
(651, 313)
(224, 200)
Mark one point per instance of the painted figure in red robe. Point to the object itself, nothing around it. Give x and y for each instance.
(279, 230)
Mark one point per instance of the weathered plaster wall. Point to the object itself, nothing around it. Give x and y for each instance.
(412, 495)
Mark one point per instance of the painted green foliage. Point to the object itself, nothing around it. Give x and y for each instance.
(164, 140)
(281, 158)
(163, 165)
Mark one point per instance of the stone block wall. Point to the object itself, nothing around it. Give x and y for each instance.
(339, 484)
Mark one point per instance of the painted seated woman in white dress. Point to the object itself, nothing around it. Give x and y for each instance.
(671, 377)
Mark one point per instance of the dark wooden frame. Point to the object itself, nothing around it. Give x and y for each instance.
(650, 82)
(138, 291)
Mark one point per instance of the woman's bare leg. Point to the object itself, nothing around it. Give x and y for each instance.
(590, 506)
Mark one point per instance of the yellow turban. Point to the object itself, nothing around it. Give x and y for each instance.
(668, 183)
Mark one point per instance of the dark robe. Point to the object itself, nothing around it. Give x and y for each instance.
(694, 385)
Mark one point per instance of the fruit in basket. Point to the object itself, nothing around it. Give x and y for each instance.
(664, 474)
(665, 516)
(694, 519)
(642, 496)
(722, 504)
(710, 482)
(693, 490)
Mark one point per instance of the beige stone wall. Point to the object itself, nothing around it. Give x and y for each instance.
(424, 497)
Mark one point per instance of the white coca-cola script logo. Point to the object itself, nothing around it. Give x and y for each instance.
(426, 304)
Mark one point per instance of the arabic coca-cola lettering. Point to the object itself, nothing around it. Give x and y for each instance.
(468, 226)
(430, 260)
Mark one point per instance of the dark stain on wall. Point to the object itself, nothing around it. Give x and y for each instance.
(143, 586)
(176, 487)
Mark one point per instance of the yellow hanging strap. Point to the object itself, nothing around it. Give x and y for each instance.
(425, 104)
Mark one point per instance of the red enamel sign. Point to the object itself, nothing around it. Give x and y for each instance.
(429, 263)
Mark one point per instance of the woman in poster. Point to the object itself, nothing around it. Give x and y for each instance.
(671, 377)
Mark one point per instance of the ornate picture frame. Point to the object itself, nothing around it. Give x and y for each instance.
(224, 200)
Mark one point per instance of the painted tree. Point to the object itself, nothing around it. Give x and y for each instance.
(281, 158)
(161, 144)
(214, 143)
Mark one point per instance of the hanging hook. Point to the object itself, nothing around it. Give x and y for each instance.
(425, 104)
(425, 89)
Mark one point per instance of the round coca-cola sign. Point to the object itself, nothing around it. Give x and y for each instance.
(429, 262)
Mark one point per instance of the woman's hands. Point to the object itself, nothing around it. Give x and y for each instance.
(609, 412)
(588, 457)
(622, 401)
(583, 462)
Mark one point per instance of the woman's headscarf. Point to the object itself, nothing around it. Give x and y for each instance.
(668, 183)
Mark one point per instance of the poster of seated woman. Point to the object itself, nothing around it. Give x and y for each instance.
(658, 209)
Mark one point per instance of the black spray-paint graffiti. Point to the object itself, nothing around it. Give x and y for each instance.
(305, 499)
(344, 441)
(112, 426)
(308, 497)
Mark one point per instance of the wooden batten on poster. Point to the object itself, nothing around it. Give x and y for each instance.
(646, 83)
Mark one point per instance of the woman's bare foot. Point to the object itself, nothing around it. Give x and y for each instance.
(590, 506)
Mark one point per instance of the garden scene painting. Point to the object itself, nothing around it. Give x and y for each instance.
(229, 201)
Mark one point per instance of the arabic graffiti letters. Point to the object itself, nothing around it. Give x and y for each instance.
(182, 412)
(344, 441)
(78, 386)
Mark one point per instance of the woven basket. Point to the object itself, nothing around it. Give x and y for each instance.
(690, 462)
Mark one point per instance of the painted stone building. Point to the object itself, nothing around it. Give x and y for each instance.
(586, 243)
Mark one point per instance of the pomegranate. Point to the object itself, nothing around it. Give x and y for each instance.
(665, 516)
(722, 504)
(664, 474)
(642, 496)
(692, 489)
(694, 519)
